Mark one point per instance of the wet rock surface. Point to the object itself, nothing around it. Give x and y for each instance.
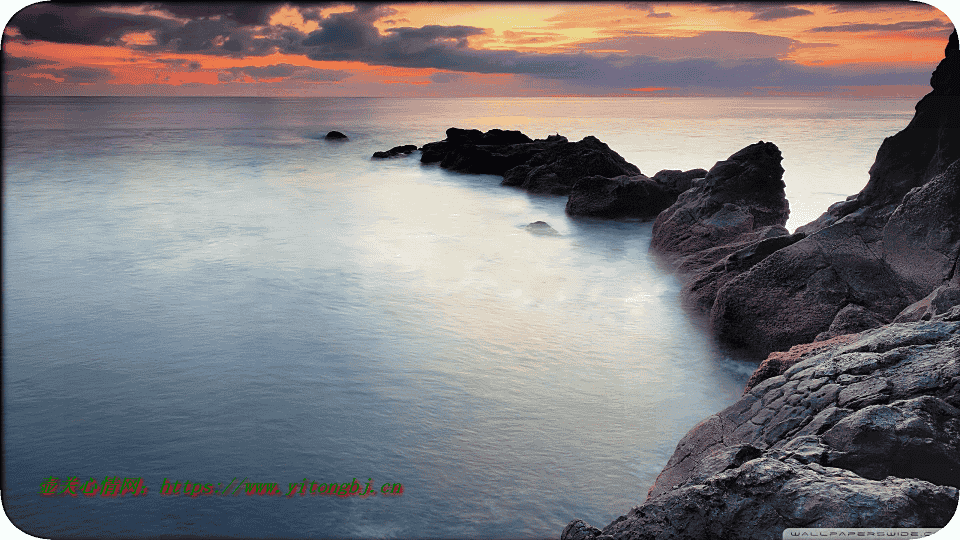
(860, 432)
(396, 151)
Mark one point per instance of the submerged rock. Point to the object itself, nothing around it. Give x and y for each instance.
(396, 151)
(542, 227)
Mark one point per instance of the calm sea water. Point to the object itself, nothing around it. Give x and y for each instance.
(205, 290)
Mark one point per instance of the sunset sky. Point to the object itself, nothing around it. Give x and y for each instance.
(486, 49)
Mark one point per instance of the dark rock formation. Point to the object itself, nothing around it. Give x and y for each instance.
(872, 256)
(562, 164)
(909, 159)
(934, 304)
(629, 196)
(860, 428)
(396, 151)
(862, 432)
(737, 197)
(551, 165)
(725, 223)
(860, 272)
(336, 136)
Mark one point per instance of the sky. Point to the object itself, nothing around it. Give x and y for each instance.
(485, 49)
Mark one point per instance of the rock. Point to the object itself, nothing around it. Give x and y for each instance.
(738, 196)
(724, 223)
(677, 181)
(778, 362)
(921, 240)
(629, 196)
(860, 272)
(761, 498)
(618, 197)
(850, 320)
(542, 228)
(862, 430)
(924, 149)
(336, 136)
(796, 293)
(396, 151)
(936, 303)
(871, 256)
(551, 165)
(562, 164)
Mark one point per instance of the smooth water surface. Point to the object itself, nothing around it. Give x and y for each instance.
(205, 289)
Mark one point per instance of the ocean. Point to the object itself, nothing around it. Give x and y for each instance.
(206, 290)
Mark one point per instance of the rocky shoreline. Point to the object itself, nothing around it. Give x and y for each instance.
(853, 419)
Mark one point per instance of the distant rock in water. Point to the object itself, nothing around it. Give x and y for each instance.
(542, 227)
(336, 136)
(552, 165)
(396, 151)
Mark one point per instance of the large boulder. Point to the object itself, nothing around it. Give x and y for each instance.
(862, 432)
(738, 196)
(724, 223)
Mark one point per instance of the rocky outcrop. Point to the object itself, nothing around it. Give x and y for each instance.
(335, 136)
(862, 432)
(629, 196)
(726, 222)
(559, 166)
(552, 165)
(396, 151)
(737, 197)
(870, 257)
(922, 150)
(860, 272)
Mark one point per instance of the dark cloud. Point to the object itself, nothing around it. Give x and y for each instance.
(648, 7)
(181, 63)
(780, 12)
(79, 24)
(933, 24)
(13, 63)
(81, 75)
(720, 45)
(242, 13)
